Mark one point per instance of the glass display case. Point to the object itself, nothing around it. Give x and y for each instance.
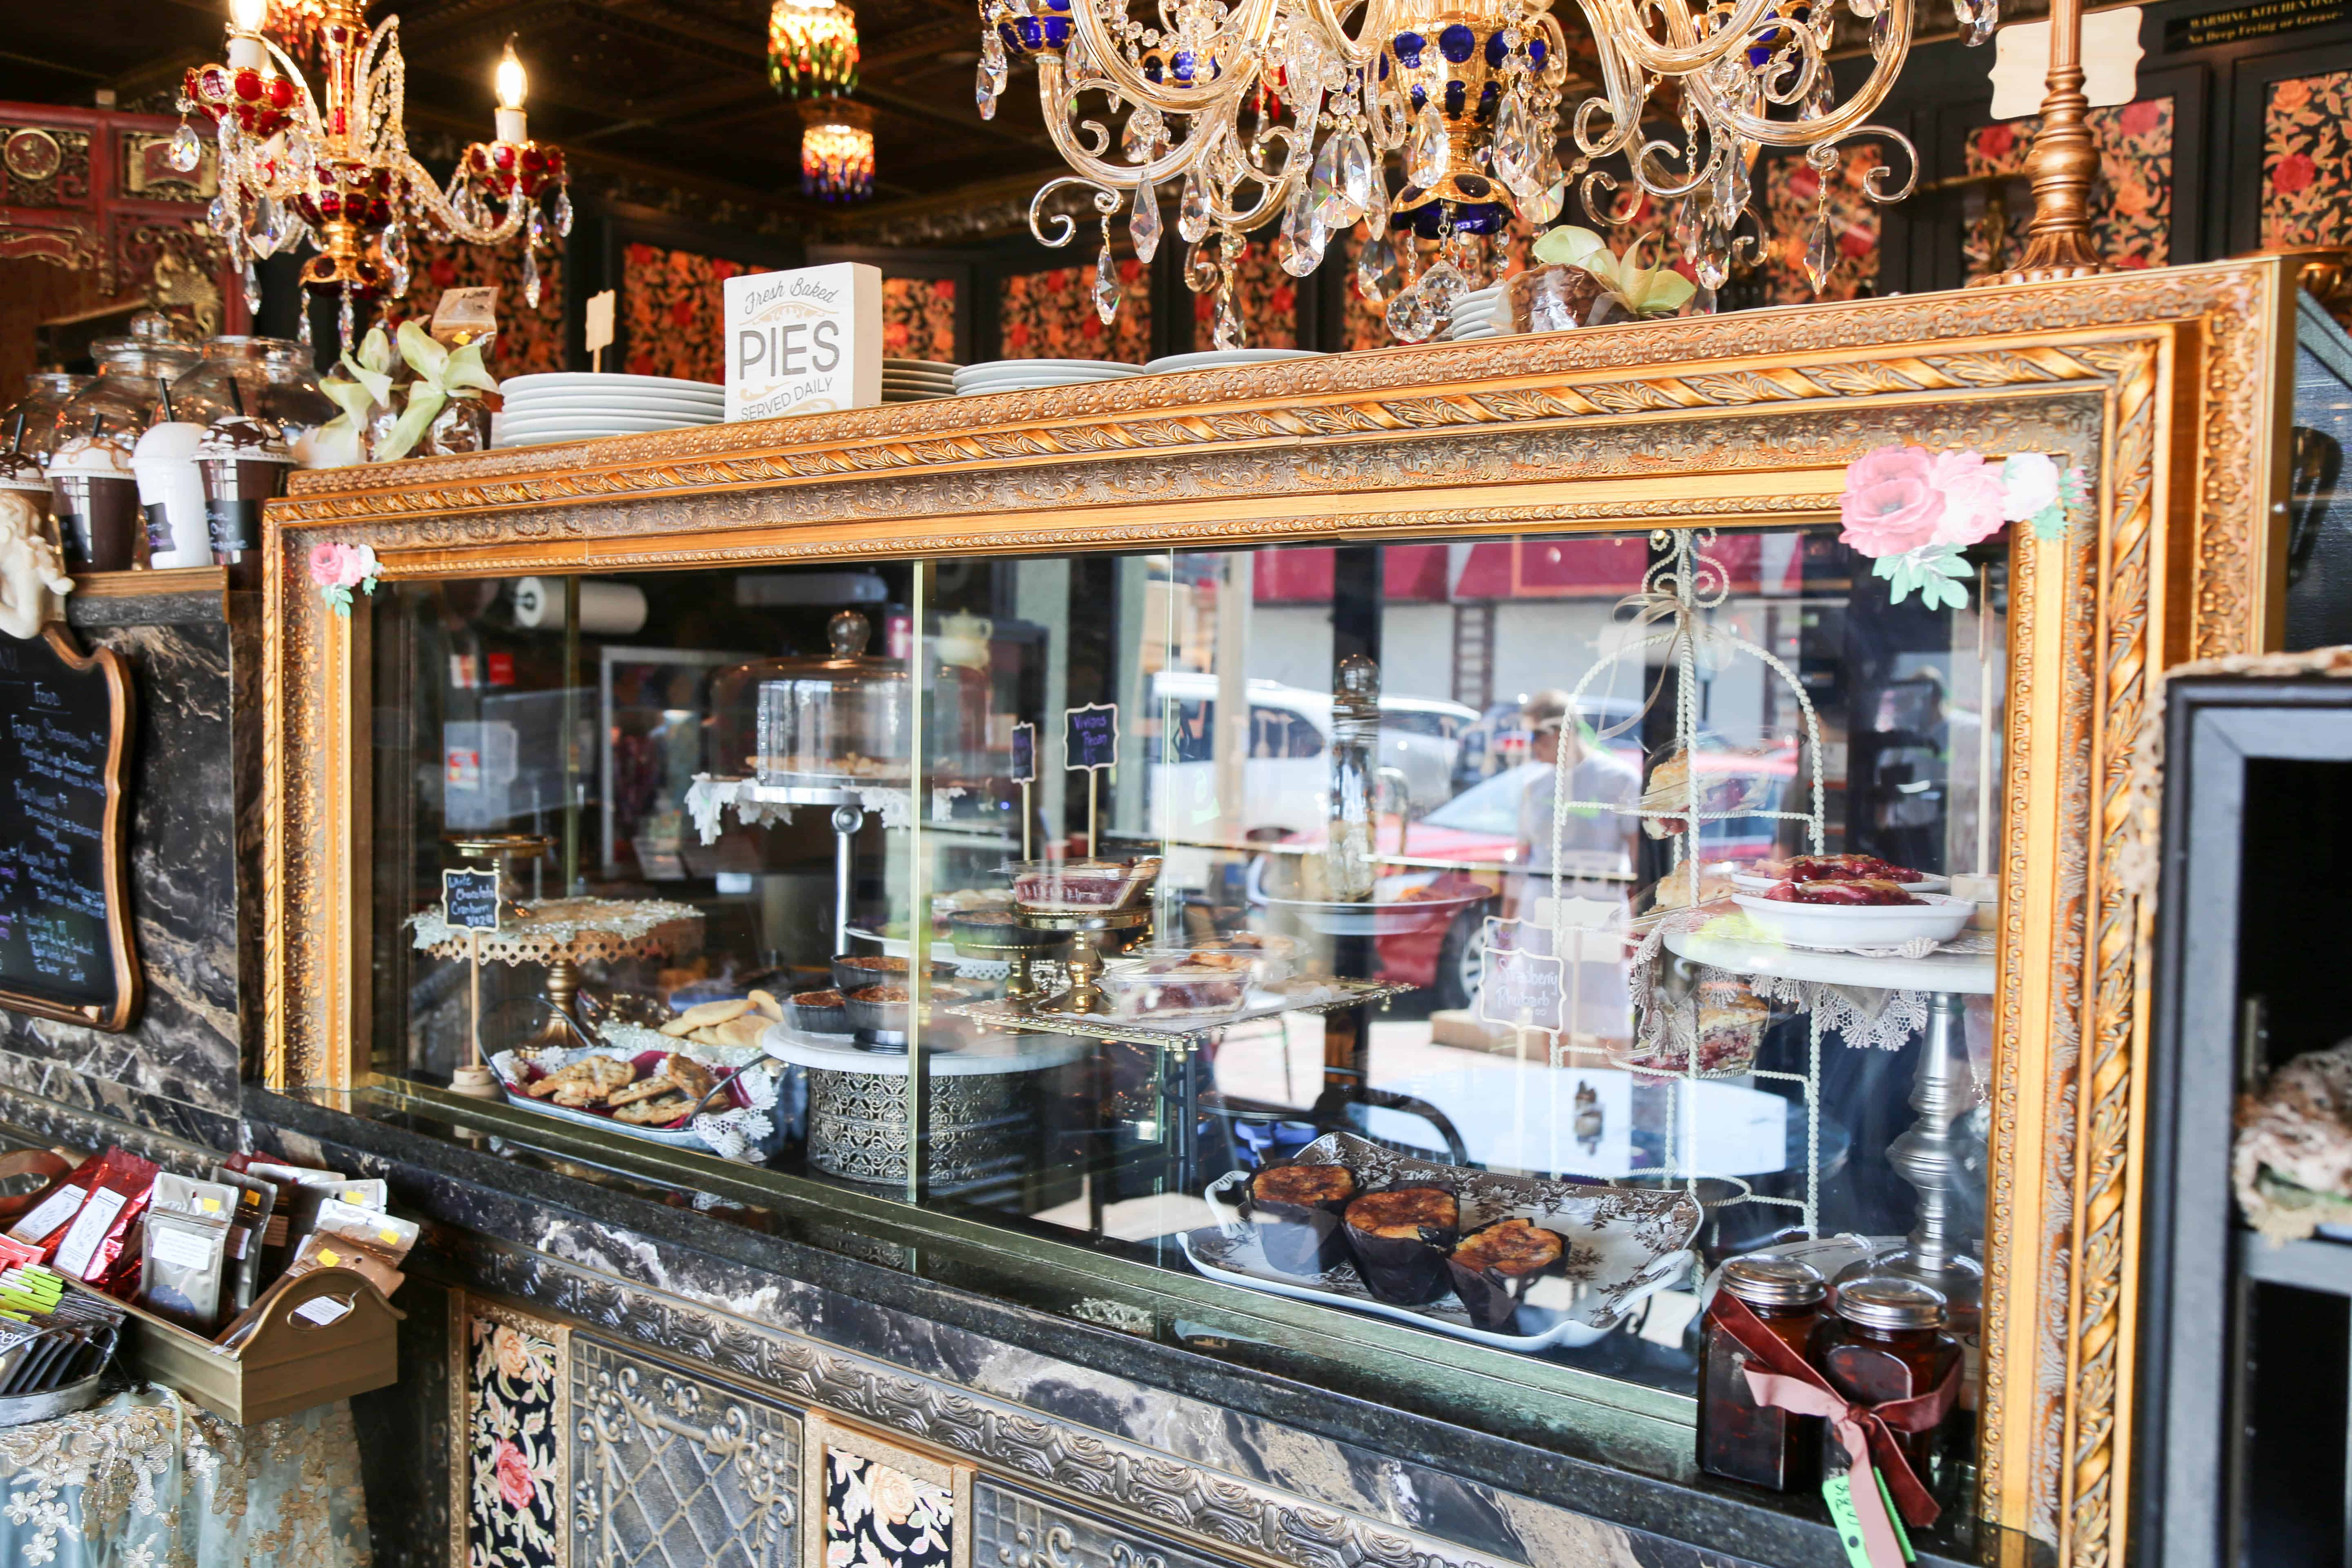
(1387, 872)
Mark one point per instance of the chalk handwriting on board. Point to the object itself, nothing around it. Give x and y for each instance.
(65, 741)
(470, 900)
(1025, 753)
(1090, 737)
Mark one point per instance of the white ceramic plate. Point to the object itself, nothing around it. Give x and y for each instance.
(1040, 378)
(1935, 916)
(524, 401)
(1626, 1244)
(581, 429)
(940, 382)
(943, 365)
(584, 381)
(995, 387)
(1748, 883)
(987, 367)
(1209, 359)
(652, 419)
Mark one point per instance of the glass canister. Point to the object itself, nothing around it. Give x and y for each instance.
(816, 722)
(1886, 1340)
(1349, 872)
(274, 382)
(47, 392)
(960, 700)
(1739, 1438)
(133, 372)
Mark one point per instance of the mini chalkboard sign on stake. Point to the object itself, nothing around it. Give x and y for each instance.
(1089, 745)
(1025, 773)
(471, 900)
(65, 751)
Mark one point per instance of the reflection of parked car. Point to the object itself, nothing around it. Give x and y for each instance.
(1498, 740)
(1288, 771)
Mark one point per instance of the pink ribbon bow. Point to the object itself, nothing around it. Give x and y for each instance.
(1786, 1380)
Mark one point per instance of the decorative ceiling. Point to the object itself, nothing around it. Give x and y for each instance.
(649, 94)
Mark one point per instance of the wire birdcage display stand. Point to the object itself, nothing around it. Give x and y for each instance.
(1529, 982)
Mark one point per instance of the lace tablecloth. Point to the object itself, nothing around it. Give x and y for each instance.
(150, 1480)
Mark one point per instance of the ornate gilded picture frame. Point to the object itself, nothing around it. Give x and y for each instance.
(2169, 388)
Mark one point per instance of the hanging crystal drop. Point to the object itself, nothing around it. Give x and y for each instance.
(1864, 8)
(303, 324)
(394, 250)
(1376, 217)
(1300, 243)
(1358, 175)
(1425, 148)
(1545, 204)
(531, 276)
(1513, 152)
(187, 151)
(1703, 300)
(1819, 257)
(1105, 280)
(1143, 222)
(991, 61)
(1882, 31)
(1193, 209)
(1325, 188)
(1225, 330)
(344, 321)
(1145, 134)
(1372, 263)
(563, 210)
(983, 93)
(1406, 321)
(1713, 263)
(1977, 19)
(252, 290)
(218, 215)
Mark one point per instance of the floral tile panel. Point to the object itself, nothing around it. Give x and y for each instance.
(530, 337)
(871, 1503)
(918, 318)
(2307, 161)
(1051, 315)
(513, 1412)
(673, 312)
(2131, 203)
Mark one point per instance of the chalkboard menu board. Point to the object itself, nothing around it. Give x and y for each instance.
(65, 743)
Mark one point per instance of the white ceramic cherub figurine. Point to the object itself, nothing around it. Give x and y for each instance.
(33, 581)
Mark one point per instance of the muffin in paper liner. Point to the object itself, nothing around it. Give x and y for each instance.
(1298, 1218)
(1506, 1281)
(1401, 1236)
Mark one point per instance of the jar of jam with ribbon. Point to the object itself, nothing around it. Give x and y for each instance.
(1739, 1438)
(1886, 1340)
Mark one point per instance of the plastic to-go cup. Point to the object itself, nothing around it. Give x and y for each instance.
(244, 462)
(98, 501)
(172, 495)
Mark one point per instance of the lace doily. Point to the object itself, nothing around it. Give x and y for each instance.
(576, 929)
(708, 799)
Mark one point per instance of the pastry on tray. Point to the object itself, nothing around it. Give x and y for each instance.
(584, 1083)
(1183, 986)
(1835, 868)
(674, 1075)
(658, 1113)
(1296, 1210)
(1857, 891)
(1080, 886)
(1498, 1267)
(1401, 1237)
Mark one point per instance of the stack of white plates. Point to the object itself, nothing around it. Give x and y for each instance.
(1213, 359)
(1030, 374)
(578, 407)
(913, 380)
(1477, 314)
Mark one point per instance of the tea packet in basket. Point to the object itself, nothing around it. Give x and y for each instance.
(183, 1266)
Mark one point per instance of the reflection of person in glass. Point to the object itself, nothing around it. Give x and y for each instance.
(1595, 841)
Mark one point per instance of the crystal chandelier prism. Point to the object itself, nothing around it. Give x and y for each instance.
(836, 149)
(331, 167)
(1289, 115)
(812, 49)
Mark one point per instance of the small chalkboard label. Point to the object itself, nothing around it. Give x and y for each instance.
(65, 747)
(470, 900)
(1090, 738)
(1025, 753)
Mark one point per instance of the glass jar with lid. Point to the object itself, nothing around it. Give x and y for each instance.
(1739, 1438)
(816, 722)
(274, 382)
(1886, 1340)
(133, 372)
(47, 392)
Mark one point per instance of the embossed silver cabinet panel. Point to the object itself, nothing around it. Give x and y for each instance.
(1012, 1529)
(671, 1470)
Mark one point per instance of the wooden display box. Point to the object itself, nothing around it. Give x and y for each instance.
(288, 1364)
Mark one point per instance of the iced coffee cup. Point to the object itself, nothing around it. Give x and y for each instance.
(172, 495)
(97, 500)
(244, 461)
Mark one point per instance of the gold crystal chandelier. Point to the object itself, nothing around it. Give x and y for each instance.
(1285, 113)
(331, 167)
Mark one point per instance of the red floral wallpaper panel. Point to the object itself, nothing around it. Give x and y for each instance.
(1268, 298)
(673, 314)
(918, 318)
(2131, 204)
(1791, 195)
(530, 338)
(1051, 315)
(2308, 161)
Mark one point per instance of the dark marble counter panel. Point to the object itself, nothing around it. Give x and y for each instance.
(193, 879)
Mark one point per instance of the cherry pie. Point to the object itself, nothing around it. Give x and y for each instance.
(1858, 890)
(1835, 869)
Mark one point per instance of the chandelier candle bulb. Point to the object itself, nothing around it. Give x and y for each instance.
(510, 83)
(246, 49)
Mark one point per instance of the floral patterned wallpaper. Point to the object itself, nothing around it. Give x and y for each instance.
(2308, 161)
(879, 1517)
(1051, 315)
(2131, 205)
(672, 316)
(530, 338)
(1268, 298)
(514, 1474)
(1791, 195)
(918, 318)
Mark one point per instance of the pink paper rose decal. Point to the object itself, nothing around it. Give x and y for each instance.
(1890, 504)
(337, 569)
(1913, 510)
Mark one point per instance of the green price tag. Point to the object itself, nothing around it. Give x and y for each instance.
(1839, 1494)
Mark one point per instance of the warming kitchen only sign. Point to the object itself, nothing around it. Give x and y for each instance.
(805, 341)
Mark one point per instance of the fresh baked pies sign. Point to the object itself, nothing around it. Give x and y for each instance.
(1913, 510)
(805, 341)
